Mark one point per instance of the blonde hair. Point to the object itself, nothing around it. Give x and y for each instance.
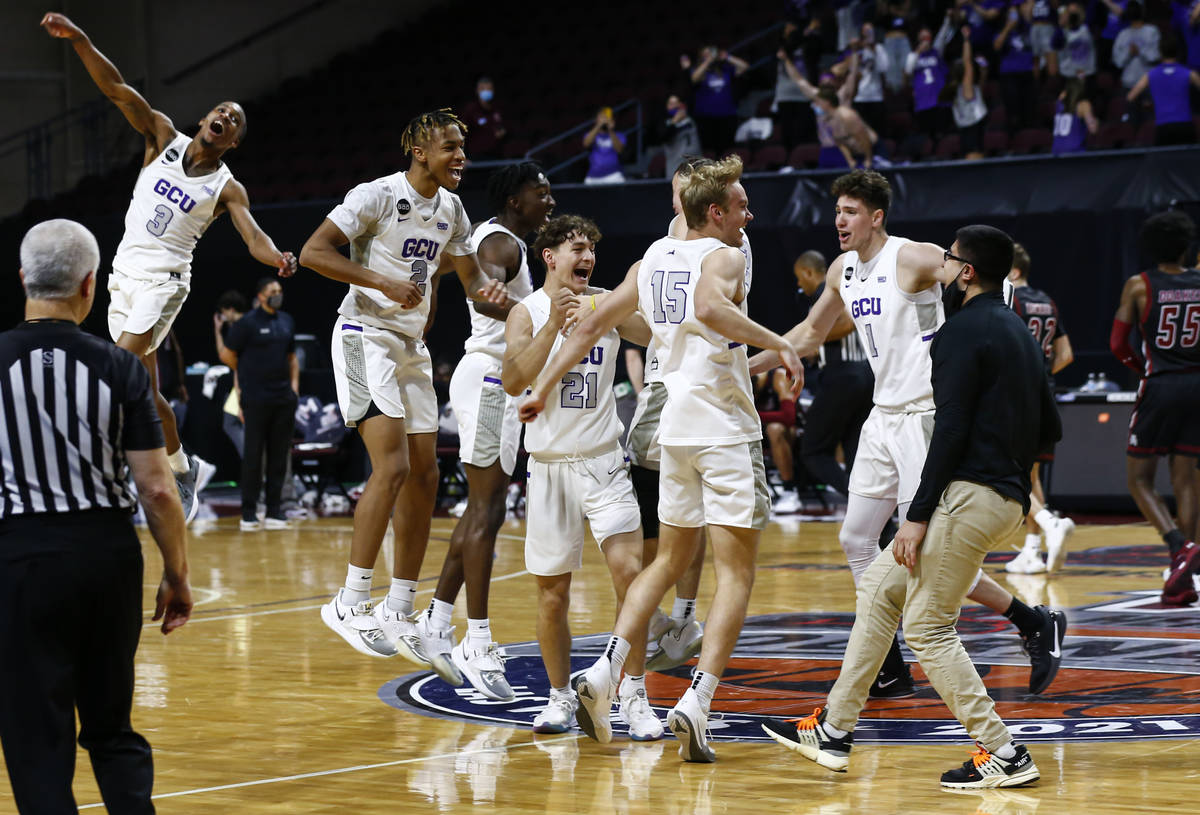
(706, 185)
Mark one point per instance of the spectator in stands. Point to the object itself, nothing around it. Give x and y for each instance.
(1043, 22)
(682, 135)
(1114, 23)
(1185, 16)
(1073, 119)
(985, 18)
(606, 144)
(897, 17)
(261, 347)
(714, 103)
(1137, 47)
(842, 133)
(231, 306)
(1169, 88)
(927, 72)
(872, 66)
(1015, 53)
(1073, 42)
(966, 99)
(793, 111)
(485, 121)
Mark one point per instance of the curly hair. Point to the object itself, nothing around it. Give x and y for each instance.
(420, 130)
(706, 185)
(562, 228)
(508, 181)
(1166, 236)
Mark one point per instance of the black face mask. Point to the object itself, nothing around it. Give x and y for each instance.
(275, 301)
(952, 298)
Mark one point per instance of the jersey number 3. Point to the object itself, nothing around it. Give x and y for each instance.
(158, 224)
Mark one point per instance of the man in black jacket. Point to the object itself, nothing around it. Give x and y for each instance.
(989, 388)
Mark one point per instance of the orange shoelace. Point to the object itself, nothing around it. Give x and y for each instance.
(808, 722)
(981, 756)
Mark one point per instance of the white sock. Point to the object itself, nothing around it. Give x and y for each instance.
(1045, 519)
(440, 614)
(615, 653)
(1033, 541)
(833, 731)
(358, 585)
(631, 685)
(1007, 752)
(179, 462)
(705, 685)
(479, 632)
(558, 693)
(400, 596)
(683, 610)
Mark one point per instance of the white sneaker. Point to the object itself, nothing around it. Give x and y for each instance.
(249, 526)
(690, 725)
(204, 472)
(458, 509)
(660, 624)
(1028, 561)
(634, 709)
(484, 669)
(1056, 537)
(401, 633)
(677, 646)
(557, 715)
(437, 645)
(357, 626)
(277, 523)
(595, 690)
(788, 503)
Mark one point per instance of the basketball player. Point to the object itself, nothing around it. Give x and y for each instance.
(1165, 303)
(1040, 314)
(577, 469)
(183, 187)
(488, 430)
(398, 228)
(890, 287)
(693, 294)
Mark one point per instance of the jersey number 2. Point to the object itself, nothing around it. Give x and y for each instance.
(420, 273)
(158, 224)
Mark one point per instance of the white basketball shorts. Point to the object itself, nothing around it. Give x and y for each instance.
(891, 455)
(137, 306)
(561, 495)
(724, 485)
(644, 449)
(372, 365)
(488, 427)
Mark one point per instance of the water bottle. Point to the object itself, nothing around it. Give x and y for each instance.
(1102, 384)
(1090, 385)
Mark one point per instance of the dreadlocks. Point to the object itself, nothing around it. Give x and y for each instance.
(420, 129)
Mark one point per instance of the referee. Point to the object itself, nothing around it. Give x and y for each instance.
(76, 417)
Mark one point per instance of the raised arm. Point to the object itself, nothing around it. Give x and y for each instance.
(609, 313)
(789, 68)
(806, 337)
(968, 78)
(152, 124)
(262, 248)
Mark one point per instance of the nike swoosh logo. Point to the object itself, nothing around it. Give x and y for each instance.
(339, 614)
(1057, 652)
(889, 682)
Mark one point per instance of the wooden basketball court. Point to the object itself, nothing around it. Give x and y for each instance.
(256, 707)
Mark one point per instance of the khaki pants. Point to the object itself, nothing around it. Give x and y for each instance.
(970, 521)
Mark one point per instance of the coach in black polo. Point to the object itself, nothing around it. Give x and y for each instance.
(261, 347)
(76, 418)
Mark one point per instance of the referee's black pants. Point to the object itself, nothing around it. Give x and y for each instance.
(70, 618)
(835, 417)
(268, 427)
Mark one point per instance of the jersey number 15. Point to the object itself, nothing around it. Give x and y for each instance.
(669, 291)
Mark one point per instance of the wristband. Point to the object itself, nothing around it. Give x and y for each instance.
(593, 302)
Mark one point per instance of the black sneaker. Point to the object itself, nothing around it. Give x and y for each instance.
(895, 680)
(1044, 647)
(808, 737)
(986, 770)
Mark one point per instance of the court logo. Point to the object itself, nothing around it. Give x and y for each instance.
(1118, 681)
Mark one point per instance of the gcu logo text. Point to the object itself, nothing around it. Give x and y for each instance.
(419, 247)
(866, 306)
(173, 194)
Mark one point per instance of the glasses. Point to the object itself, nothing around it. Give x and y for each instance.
(948, 255)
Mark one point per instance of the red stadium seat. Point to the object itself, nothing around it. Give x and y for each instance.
(948, 147)
(997, 118)
(657, 168)
(768, 157)
(1032, 140)
(805, 156)
(1144, 136)
(995, 142)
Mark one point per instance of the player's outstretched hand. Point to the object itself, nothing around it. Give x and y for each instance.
(530, 407)
(405, 292)
(173, 605)
(906, 543)
(59, 25)
(287, 264)
(495, 293)
(795, 368)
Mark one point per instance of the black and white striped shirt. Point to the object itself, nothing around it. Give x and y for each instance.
(71, 404)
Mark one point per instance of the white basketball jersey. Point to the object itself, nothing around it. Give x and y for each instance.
(709, 398)
(168, 213)
(895, 327)
(580, 418)
(487, 334)
(390, 235)
(653, 372)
